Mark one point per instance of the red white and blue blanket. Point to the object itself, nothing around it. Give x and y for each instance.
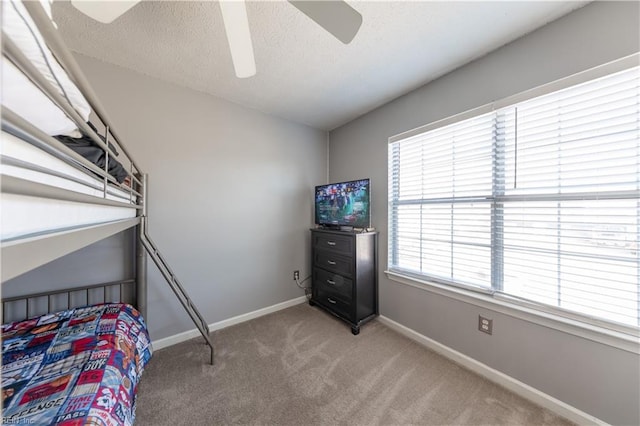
(76, 367)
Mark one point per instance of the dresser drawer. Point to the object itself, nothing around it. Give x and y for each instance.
(334, 303)
(333, 262)
(336, 243)
(333, 283)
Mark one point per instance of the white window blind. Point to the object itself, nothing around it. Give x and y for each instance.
(537, 201)
(442, 202)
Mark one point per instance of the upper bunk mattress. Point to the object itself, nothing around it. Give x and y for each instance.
(23, 215)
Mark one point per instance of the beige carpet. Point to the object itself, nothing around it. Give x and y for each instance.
(301, 366)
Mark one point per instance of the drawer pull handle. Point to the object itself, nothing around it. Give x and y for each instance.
(331, 282)
(330, 300)
(331, 243)
(331, 262)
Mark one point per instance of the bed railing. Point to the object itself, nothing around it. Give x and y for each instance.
(19, 127)
(23, 307)
(14, 54)
(64, 56)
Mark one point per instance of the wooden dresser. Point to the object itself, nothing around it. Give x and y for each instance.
(345, 280)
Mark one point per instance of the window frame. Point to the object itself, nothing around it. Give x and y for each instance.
(617, 335)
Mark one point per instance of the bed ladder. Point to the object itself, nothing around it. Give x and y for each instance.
(178, 289)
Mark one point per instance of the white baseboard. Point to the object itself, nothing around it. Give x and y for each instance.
(516, 386)
(190, 334)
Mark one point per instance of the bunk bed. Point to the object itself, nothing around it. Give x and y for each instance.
(70, 355)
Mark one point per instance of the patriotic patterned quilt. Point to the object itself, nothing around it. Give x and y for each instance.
(76, 367)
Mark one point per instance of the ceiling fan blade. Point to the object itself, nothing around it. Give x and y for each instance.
(335, 16)
(236, 25)
(103, 11)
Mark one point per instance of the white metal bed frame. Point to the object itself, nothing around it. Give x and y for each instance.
(23, 254)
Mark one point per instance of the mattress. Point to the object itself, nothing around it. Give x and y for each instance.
(74, 367)
(23, 215)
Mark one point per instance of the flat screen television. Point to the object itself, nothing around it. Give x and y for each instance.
(344, 204)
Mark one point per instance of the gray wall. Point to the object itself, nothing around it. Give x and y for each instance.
(230, 194)
(598, 379)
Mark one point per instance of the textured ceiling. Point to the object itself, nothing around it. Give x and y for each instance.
(304, 74)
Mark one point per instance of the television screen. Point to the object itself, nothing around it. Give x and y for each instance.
(343, 204)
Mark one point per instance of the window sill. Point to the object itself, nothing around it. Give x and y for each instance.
(619, 340)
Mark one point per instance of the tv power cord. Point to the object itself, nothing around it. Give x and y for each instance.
(307, 290)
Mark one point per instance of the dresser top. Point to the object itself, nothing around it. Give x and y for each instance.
(339, 232)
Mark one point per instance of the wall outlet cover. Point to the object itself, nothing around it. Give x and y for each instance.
(485, 324)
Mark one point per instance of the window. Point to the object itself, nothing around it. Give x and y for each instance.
(538, 201)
